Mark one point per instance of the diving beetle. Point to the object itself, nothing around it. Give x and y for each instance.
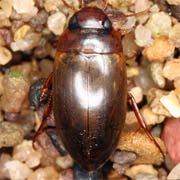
(89, 89)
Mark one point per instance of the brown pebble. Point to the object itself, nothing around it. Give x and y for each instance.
(46, 147)
(11, 134)
(11, 116)
(66, 175)
(159, 50)
(139, 143)
(171, 69)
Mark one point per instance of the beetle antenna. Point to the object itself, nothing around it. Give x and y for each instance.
(128, 15)
(82, 4)
(69, 6)
(106, 4)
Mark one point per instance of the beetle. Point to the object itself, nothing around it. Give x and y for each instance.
(89, 89)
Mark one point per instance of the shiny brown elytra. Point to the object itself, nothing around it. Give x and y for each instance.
(89, 90)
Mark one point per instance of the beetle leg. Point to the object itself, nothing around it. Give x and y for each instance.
(141, 121)
(44, 120)
(105, 5)
(47, 85)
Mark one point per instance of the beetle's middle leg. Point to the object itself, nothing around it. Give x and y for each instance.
(141, 121)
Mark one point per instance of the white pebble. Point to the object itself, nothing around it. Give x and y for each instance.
(156, 73)
(25, 7)
(173, 2)
(29, 42)
(136, 169)
(64, 162)
(6, 7)
(137, 93)
(56, 23)
(172, 104)
(141, 5)
(159, 23)
(17, 170)
(143, 36)
(46, 173)
(175, 173)
(5, 55)
(174, 34)
(131, 21)
(24, 152)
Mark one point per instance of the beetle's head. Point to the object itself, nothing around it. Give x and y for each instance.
(90, 18)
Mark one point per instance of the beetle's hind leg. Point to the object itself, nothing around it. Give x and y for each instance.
(141, 121)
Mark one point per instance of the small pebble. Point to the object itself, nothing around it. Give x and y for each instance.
(177, 83)
(171, 138)
(114, 175)
(30, 41)
(11, 134)
(168, 163)
(6, 7)
(150, 117)
(52, 5)
(174, 34)
(159, 50)
(145, 176)
(21, 32)
(143, 36)
(25, 153)
(3, 171)
(66, 175)
(171, 103)
(135, 141)
(64, 162)
(140, 169)
(15, 85)
(171, 69)
(17, 170)
(56, 23)
(159, 23)
(156, 130)
(5, 55)
(46, 173)
(156, 74)
(141, 5)
(153, 97)
(137, 93)
(144, 79)
(175, 173)
(131, 21)
(23, 8)
(123, 157)
(173, 2)
(130, 49)
(120, 168)
(132, 71)
(162, 174)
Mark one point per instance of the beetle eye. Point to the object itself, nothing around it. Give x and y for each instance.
(107, 25)
(73, 23)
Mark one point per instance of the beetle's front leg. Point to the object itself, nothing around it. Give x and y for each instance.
(45, 90)
(141, 121)
(46, 87)
(46, 114)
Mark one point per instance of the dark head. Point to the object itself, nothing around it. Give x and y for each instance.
(90, 18)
